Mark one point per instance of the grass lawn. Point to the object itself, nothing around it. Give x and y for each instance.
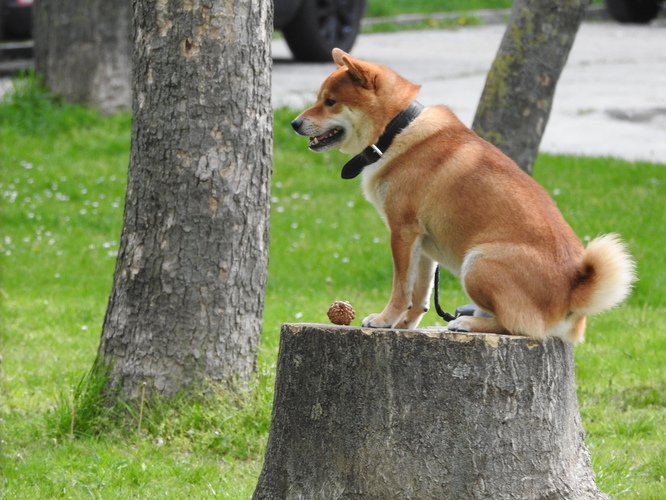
(385, 8)
(463, 10)
(62, 180)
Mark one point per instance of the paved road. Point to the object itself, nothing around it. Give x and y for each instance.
(610, 101)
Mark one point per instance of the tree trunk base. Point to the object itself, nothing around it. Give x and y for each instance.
(395, 414)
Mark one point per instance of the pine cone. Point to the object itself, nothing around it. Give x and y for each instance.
(341, 313)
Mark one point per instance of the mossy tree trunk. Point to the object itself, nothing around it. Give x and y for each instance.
(395, 415)
(518, 95)
(187, 300)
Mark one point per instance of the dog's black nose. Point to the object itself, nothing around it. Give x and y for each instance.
(296, 123)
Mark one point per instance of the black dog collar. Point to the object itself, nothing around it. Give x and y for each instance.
(374, 152)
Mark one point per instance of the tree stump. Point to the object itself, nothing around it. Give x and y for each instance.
(397, 414)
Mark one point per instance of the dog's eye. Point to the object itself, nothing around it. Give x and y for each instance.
(329, 102)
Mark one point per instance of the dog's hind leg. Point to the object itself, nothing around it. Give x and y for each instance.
(502, 283)
(420, 294)
(477, 324)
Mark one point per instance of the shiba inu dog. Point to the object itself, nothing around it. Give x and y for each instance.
(450, 198)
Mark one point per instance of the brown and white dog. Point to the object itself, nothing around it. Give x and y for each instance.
(449, 197)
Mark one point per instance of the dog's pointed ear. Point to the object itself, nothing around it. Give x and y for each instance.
(358, 70)
(338, 54)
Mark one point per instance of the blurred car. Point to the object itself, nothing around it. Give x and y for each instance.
(16, 18)
(634, 11)
(312, 28)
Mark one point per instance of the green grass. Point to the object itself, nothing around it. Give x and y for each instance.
(424, 24)
(62, 180)
(386, 8)
(463, 13)
(380, 8)
(462, 8)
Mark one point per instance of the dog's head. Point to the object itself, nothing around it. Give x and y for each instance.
(354, 105)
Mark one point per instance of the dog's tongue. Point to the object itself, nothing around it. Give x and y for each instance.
(315, 140)
(322, 136)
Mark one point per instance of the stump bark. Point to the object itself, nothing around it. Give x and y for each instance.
(394, 414)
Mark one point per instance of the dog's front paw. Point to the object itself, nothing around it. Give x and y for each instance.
(376, 321)
(460, 324)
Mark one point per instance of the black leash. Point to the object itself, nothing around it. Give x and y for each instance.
(440, 312)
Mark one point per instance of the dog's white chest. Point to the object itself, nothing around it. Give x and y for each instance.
(373, 189)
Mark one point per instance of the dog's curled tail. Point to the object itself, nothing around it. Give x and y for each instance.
(605, 276)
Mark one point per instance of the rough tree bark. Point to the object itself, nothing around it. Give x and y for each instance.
(518, 94)
(187, 299)
(395, 415)
(84, 50)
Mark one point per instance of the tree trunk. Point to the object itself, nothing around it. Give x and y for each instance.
(518, 95)
(83, 49)
(188, 290)
(395, 414)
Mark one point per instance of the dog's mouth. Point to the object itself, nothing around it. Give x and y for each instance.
(327, 140)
